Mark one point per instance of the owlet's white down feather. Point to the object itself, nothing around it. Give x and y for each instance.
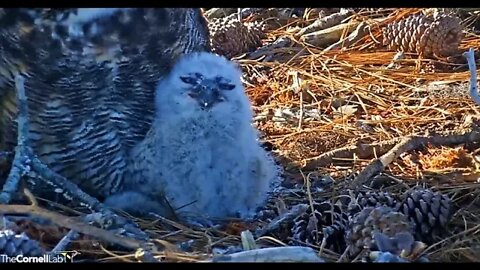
(202, 151)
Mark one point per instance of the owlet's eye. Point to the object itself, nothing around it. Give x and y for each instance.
(192, 78)
(226, 86)
(189, 79)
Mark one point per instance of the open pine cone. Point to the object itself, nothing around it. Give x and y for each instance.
(230, 37)
(13, 244)
(437, 34)
(327, 220)
(430, 211)
(356, 201)
(370, 221)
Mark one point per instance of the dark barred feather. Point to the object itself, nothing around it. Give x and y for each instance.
(90, 83)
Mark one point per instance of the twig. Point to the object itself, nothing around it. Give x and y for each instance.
(396, 58)
(326, 37)
(73, 224)
(245, 12)
(54, 179)
(326, 22)
(362, 29)
(362, 151)
(281, 42)
(472, 66)
(219, 12)
(289, 215)
(408, 144)
(248, 242)
(66, 240)
(20, 161)
(276, 254)
(300, 116)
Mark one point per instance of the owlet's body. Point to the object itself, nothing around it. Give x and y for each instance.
(202, 151)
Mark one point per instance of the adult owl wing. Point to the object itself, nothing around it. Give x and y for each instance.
(90, 81)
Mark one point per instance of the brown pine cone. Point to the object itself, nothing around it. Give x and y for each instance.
(356, 201)
(230, 37)
(437, 34)
(327, 220)
(430, 211)
(13, 244)
(369, 221)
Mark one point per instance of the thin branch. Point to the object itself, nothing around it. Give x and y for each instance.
(326, 22)
(245, 12)
(20, 162)
(267, 49)
(362, 151)
(73, 224)
(276, 254)
(218, 12)
(362, 30)
(54, 179)
(289, 215)
(412, 143)
(66, 240)
(472, 66)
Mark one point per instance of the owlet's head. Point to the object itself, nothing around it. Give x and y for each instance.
(202, 81)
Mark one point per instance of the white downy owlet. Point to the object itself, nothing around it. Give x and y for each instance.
(202, 151)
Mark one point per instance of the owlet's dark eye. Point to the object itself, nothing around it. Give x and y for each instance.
(192, 78)
(226, 86)
(189, 79)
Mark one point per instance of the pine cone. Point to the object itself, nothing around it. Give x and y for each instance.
(436, 34)
(327, 221)
(356, 201)
(430, 211)
(372, 220)
(230, 37)
(12, 244)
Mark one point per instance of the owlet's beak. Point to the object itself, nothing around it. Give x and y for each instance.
(206, 96)
(207, 92)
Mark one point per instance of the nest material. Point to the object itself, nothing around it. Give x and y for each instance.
(326, 221)
(430, 211)
(230, 37)
(359, 200)
(13, 244)
(375, 220)
(437, 34)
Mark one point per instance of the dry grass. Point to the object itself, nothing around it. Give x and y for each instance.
(357, 100)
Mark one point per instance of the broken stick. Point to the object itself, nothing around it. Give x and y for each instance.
(275, 254)
(472, 66)
(20, 161)
(326, 22)
(412, 143)
(363, 151)
(74, 224)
